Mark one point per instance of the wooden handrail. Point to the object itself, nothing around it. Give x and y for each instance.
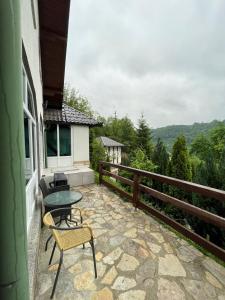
(189, 208)
(188, 186)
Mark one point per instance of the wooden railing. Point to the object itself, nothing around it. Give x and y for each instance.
(135, 198)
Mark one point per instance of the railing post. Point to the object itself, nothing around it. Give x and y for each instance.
(136, 190)
(100, 172)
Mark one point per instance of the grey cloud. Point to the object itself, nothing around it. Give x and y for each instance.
(163, 58)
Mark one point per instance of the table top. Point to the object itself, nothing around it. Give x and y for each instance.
(62, 198)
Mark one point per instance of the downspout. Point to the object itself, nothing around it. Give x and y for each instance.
(13, 239)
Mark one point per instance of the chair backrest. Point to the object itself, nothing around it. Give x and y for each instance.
(43, 187)
(49, 221)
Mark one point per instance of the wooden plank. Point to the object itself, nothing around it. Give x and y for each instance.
(219, 252)
(188, 186)
(118, 190)
(136, 190)
(193, 210)
(120, 178)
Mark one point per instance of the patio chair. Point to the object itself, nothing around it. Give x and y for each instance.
(46, 191)
(51, 189)
(68, 238)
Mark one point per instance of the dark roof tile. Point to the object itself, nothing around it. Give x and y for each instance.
(107, 142)
(68, 115)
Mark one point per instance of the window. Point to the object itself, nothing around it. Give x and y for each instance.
(65, 140)
(51, 134)
(58, 140)
(29, 130)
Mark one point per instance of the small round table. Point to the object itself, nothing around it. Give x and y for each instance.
(61, 199)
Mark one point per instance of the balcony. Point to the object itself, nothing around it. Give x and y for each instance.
(137, 258)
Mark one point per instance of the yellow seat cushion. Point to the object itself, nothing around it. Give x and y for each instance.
(73, 238)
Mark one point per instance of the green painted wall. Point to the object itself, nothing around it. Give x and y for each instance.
(13, 243)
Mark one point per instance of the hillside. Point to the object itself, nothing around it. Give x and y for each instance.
(169, 133)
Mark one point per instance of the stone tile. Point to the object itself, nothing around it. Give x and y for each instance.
(113, 256)
(168, 248)
(148, 269)
(199, 290)
(213, 267)
(110, 276)
(133, 295)
(104, 294)
(170, 265)
(128, 263)
(44, 283)
(101, 268)
(97, 232)
(152, 266)
(184, 253)
(212, 280)
(154, 247)
(123, 283)
(169, 290)
(116, 240)
(158, 236)
(132, 233)
(84, 281)
(143, 252)
(140, 242)
(53, 268)
(99, 256)
(75, 269)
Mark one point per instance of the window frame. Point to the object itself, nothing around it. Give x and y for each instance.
(32, 124)
(58, 142)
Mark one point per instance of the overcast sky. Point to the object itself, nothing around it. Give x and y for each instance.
(163, 58)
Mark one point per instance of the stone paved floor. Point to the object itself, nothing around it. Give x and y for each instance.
(137, 259)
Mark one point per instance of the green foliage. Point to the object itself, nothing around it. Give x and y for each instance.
(98, 154)
(217, 137)
(180, 163)
(144, 137)
(73, 98)
(168, 134)
(200, 146)
(141, 161)
(160, 158)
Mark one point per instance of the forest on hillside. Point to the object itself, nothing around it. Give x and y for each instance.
(200, 160)
(169, 133)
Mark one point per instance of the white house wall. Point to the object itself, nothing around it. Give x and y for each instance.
(30, 37)
(80, 144)
(114, 154)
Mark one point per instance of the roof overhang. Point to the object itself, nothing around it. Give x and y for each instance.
(54, 20)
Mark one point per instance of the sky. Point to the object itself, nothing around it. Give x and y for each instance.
(161, 58)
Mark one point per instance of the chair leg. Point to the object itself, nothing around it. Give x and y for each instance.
(57, 274)
(53, 250)
(94, 260)
(46, 245)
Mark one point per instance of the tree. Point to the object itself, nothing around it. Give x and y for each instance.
(72, 97)
(217, 137)
(201, 146)
(144, 138)
(141, 161)
(180, 168)
(98, 154)
(180, 162)
(160, 158)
